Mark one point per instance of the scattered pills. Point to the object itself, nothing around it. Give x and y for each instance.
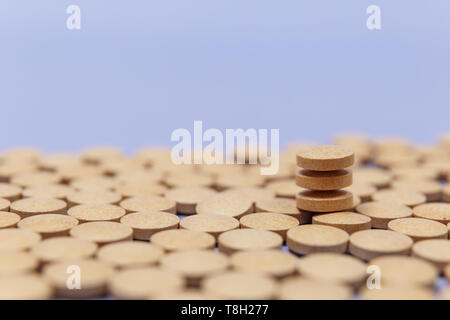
(431, 189)
(419, 229)
(96, 212)
(326, 158)
(434, 210)
(17, 239)
(323, 180)
(436, 251)
(348, 221)
(35, 206)
(49, 225)
(324, 201)
(276, 222)
(187, 198)
(148, 203)
(63, 248)
(248, 239)
(214, 224)
(145, 224)
(102, 232)
(369, 244)
(311, 238)
(8, 219)
(382, 212)
(229, 205)
(130, 254)
(93, 196)
(182, 239)
(284, 206)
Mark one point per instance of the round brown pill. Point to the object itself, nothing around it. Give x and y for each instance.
(214, 224)
(239, 285)
(8, 219)
(56, 191)
(12, 263)
(431, 189)
(130, 254)
(310, 238)
(405, 271)
(276, 222)
(96, 212)
(80, 279)
(299, 288)
(276, 263)
(419, 229)
(4, 204)
(229, 205)
(195, 265)
(49, 225)
(182, 239)
(35, 178)
(187, 198)
(284, 188)
(323, 180)
(25, 287)
(382, 212)
(95, 183)
(34, 206)
(129, 189)
(436, 251)
(434, 211)
(326, 158)
(346, 269)
(348, 221)
(375, 176)
(102, 232)
(148, 203)
(63, 248)
(369, 244)
(17, 239)
(253, 194)
(93, 197)
(396, 293)
(248, 239)
(400, 196)
(145, 224)
(144, 283)
(362, 190)
(324, 201)
(10, 192)
(284, 206)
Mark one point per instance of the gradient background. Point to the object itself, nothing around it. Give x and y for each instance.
(137, 70)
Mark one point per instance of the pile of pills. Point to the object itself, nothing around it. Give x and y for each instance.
(361, 218)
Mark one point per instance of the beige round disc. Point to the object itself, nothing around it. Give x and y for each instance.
(25, 287)
(214, 224)
(49, 225)
(369, 244)
(93, 197)
(299, 288)
(194, 265)
(273, 262)
(129, 254)
(284, 188)
(35, 178)
(431, 189)
(419, 229)
(323, 180)
(326, 158)
(75, 171)
(405, 271)
(229, 205)
(4, 204)
(396, 293)
(96, 212)
(145, 224)
(92, 275)
(182, 239)
(33, 206)
(284, 206)
(63, 248)
(348, 221)
(433, 211)
(436, 251)
(324, 201)
(56, 191)
(17, 239)
(375, 176)
(310, 238)
(10, 192)
(362, 190)
(276, 222)
(143, 283)
(382, 212)
(248, 239)
(102, 232)
(138, 189)
(8, 219)
(253, 194)
(187, 198)
(401, 196)
(149, 203)
(17, 262)
(239, 285)
(345, 268)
